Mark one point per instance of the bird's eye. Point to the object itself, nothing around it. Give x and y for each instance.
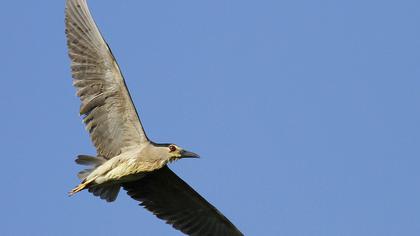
(172, 148)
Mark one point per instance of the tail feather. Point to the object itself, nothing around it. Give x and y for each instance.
(104, 191)
(88, 161)
(84, 173)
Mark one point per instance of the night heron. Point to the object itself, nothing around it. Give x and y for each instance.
(125, 156)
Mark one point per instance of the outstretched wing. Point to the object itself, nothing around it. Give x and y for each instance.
(109, 113)
(171, 199)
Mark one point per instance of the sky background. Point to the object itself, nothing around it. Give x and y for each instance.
(306, 113)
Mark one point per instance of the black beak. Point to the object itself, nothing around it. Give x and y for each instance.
(187, 154)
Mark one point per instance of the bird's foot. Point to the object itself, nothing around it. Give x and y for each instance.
(79, 188)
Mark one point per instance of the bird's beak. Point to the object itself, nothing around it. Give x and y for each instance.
(187, 154)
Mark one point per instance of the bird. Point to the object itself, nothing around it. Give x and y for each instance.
(126, 158)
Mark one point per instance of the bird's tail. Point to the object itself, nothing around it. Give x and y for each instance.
(91, 161)
(108, 192)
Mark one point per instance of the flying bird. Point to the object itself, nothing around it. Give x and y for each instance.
(126, 157)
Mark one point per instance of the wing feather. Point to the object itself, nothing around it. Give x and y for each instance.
(106, 104)
(171, 199)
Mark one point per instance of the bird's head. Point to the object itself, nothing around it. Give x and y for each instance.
(173, 152)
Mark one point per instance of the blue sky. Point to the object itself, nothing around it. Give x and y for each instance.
(306, 113)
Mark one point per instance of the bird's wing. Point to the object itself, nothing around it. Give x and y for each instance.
(171, 199)
(109, 113)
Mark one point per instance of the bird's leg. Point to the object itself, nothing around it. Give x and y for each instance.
(80, 187)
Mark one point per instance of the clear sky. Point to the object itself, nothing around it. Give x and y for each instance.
(306, 113)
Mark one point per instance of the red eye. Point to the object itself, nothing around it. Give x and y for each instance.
(172, 148)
